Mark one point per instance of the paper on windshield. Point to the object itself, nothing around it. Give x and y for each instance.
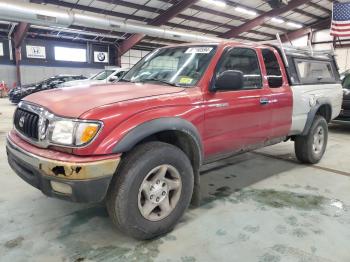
(199, 50)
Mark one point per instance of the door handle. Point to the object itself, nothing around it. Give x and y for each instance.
(264, 101)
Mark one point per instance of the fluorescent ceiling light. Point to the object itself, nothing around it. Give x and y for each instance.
(277, 20)
(246, 11)
(216, 2)
(296, 25)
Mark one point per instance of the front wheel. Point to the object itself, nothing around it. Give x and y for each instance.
(151, 190)
(310, 148)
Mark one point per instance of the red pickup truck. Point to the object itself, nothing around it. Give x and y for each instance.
(139, 144)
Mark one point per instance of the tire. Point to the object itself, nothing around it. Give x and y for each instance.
(126, 199)
(308, 149)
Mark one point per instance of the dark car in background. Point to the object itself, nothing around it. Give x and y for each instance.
(345, 112)
(16, 94)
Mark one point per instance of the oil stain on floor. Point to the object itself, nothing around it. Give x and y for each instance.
(82, 250)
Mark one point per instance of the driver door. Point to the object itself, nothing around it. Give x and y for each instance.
(237, 119)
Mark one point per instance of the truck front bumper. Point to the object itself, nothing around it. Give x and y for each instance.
(78, 180)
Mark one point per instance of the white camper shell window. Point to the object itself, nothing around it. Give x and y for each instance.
(313, 71)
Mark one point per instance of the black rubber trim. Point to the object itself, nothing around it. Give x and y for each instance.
(83, 191)
(312, 113)
(158, 125)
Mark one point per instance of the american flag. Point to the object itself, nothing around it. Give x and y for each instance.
(341, 19)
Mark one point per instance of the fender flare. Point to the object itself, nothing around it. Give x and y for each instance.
(166, 124)
(312, 113)
(151, 127)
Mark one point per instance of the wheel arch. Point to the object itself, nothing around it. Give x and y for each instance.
(172, 130)
(323, 108)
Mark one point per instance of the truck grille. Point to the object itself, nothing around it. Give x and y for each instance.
(26, 123)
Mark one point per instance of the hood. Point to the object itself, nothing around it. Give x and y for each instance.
(82, 82)
(74, 101)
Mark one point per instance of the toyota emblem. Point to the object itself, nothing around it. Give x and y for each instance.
(21, 122)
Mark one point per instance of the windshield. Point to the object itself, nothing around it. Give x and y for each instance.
(178, 66)
(103, 75)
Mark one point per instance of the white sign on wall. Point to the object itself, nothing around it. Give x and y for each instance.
(36, 51)
(1, 49)
(101, 57)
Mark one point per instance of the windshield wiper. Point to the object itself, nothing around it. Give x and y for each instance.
(158, 80)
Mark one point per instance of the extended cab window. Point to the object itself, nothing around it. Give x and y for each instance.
(311, 71)
(273, 69)
(246, 61)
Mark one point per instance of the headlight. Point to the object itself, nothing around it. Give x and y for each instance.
(73, 132)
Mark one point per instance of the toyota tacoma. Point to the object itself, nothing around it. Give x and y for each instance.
(138, 144)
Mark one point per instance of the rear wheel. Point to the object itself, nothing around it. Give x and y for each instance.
(310, 148)
(151, 190)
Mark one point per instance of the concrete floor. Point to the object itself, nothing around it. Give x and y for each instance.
(260, 206)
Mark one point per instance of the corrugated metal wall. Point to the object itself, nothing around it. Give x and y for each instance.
(31, 74)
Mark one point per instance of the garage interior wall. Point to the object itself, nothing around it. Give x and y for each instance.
(33, 70)
(130, 58)
(31, 74)
(36, 73)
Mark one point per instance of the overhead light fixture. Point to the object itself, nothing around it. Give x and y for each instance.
(295, 25)
(277, 20)
(246, 11)
(218, 3)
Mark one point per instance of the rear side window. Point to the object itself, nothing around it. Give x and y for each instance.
(273, 69)
(271, 63)
(246, 61)
(311, 71)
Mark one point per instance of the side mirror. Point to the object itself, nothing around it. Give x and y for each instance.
(275, 81)
(113, 78)
(229, 80)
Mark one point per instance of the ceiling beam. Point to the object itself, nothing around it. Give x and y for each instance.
(297, 10)
(320, 25)
(219, 13)
(20, 34)
(154, 10)
(305, 13)
(167, 15)
(262, 18)
(319, 7)
(194, 18)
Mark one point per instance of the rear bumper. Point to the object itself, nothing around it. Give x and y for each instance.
(85, 181)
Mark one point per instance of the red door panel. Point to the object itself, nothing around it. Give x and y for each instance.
(235, 120)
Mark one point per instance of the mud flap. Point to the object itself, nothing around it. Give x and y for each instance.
(196, 195)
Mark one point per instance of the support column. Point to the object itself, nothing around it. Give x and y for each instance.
(18, 59)
(18, 38)
(118, 57)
